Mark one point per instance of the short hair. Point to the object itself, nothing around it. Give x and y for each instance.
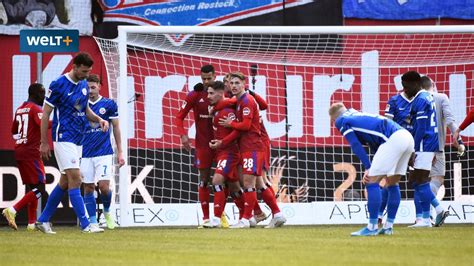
(34, 89)
(336, 108)
(83, 58)
(426, 82)
(93, 78)
(238, 75)
(208, 69)
(411, 76)
(217, 85)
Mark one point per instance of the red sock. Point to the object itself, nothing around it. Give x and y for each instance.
(32, 206)
(271, 188)
(250, 198)
(29, 197)
(270, 200)
(240, 203)
(219, 203)
(256, 209)
(204, 198)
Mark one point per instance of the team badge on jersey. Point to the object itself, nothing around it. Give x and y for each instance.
(84, 91)
(102, 110)
(232, 116)
(246, 111)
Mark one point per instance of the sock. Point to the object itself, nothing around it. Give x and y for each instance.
(219, 200)
(204, 198)
(384, 202)
(374, 199)
(435, 203)
(89, 201)
(393, 202)
(416, 200)
(106, 200)
(239, 202)
(78, 206)
(256, 209)
(271, 189)
(269, 198)
(250, 198)
(29, 197)
(435, 185)
(33, 206)
(426, 196)
(52, 204)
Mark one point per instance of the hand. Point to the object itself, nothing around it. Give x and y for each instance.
(411, 162)
(215, 143)
(185, 142)
(225, 122)
(120, 159)
(461, 150)
(365, 178)
(104, 125)
(45, 151)
(456, 137)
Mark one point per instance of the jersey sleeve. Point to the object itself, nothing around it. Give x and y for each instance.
(226, 103)
(53, 95)
(391, 107)
(421, 111)
(351, 137)
(262, 104)
(113, 110)
(187, 105)
(37, 114)
(447, 113)
(468, 120)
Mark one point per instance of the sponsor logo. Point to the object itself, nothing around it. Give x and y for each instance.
(73, 161)
(84, 91)
(70, 93)
(49, 41)
(201, 100)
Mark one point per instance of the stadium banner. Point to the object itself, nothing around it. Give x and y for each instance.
(408, 9)
(58, 41)
(58, 14)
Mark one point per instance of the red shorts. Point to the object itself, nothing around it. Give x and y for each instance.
(227, 165)
(252, 162)
(31, 171)
(203, 158)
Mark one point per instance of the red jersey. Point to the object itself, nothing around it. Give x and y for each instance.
(248, 124)
(26, 130)
(468, 120)
(197, 100)
(220, 132)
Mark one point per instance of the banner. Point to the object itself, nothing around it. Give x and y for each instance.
(16, 15)
(408, 9)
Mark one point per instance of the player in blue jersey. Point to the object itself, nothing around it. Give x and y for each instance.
(97, 153)
(393, 147)
(425, 133)
(67, 97)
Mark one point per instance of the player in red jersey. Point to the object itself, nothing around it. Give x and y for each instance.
(26, 133)
(204, 155)
(467, 121)
(251, 147)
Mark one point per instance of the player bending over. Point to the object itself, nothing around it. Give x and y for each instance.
(393, 146)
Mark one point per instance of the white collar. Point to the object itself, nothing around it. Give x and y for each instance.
(96, 101)
(70, 79)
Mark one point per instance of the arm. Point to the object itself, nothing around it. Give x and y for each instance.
(448, 114)
(467, 121)
(230, 138)
(91, 116)
(262, 104)
(44, 145)
(118, 141)
(390, 109)
(242, 126)
(229, 102)
(357, 148)
(179, 120)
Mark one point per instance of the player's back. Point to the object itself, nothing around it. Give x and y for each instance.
(398, 109)
(220, 132)
(250, 140)
(423, 108)
(26, 131)
(96, 142)
(370, 129)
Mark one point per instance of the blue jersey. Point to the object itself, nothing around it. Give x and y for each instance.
(69, 100)
(423, 118)
(97, 143)
(398, 109)
(365, 129)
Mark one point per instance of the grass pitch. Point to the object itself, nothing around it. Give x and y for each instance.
(290, 245)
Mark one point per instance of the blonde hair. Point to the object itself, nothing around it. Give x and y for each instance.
(238, 75)
(336, 108)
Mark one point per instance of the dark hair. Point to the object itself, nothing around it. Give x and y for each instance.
(411, 76)
(83, 58)
(93, 78)
(218, 85)
(208, 69)
(34, 89)
(426, 82)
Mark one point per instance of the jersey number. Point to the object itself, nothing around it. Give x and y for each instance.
(22, 125)
(221, 164)
(432, 119)
(248, 163)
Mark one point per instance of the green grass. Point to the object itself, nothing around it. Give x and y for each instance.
(302, 245)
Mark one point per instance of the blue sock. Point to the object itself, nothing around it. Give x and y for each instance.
(384, 201)
(106, 200)
(416, 200)
(426, 195)
(52, 204)
(393, 202)
(78, 206)
(374, 199)
(89, 201)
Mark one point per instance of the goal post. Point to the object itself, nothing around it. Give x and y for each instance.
(300, 71)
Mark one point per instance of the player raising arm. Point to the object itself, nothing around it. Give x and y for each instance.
(467, 121)
(393, 146)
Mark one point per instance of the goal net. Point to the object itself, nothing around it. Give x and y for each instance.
(300, 71)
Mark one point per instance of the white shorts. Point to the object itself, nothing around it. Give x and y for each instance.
(439, 166)
(68, 155)
(424, 160)
(392, 157)
(96, 169)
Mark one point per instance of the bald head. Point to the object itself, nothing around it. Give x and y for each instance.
(336, 110)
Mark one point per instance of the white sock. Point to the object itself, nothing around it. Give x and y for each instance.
(372, 227)
(439, 209)
(387, 225)
(278, 214)
(12, 210)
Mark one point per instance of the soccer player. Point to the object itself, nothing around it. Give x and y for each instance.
(203, 156)
(97, 153)
(26, 133)
(445, 119)
(68, 97)
(393, 146)
(425, 133)
(252, 149)
(467, 121)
